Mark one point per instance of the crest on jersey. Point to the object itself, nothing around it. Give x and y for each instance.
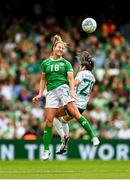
(62, 64)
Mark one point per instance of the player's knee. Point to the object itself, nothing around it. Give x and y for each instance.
(76, 114)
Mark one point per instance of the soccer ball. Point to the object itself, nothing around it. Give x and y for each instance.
(89, 25)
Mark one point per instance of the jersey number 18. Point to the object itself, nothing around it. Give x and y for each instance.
(55, 67)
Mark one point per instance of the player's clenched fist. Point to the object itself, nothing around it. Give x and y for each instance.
(36, 98)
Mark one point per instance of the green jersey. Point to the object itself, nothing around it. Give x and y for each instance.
(56, 72)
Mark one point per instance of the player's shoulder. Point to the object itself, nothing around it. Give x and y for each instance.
(45, 61)
(80, 73)
(89, 74)
(65, 61)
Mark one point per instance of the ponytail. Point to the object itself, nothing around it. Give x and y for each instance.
(55, 40)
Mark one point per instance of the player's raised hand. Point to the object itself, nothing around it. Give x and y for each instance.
(36, 98)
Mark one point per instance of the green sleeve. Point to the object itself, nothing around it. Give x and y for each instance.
(69, 67)
(43, 67)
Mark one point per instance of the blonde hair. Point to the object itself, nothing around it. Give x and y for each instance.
(57, 39)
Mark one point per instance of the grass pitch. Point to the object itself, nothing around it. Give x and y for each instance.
(70, 169)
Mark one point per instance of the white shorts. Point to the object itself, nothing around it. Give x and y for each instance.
(58, 97)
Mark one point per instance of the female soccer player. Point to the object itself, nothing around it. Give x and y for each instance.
(84, 82)
(57, 76)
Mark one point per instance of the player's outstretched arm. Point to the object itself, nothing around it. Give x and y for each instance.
(41, 88)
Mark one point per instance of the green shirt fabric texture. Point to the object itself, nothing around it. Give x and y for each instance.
(56, 72)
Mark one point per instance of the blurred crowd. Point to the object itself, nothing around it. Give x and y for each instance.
(23, 47)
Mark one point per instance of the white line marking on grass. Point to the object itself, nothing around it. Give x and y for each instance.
(68, 179)
(44, 171)
(18, 171)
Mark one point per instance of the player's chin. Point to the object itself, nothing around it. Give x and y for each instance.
(60, 53)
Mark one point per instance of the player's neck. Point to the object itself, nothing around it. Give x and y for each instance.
(55, 57)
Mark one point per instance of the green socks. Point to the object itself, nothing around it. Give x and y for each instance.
(85, 124)
(47, 137)
(48, 132)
